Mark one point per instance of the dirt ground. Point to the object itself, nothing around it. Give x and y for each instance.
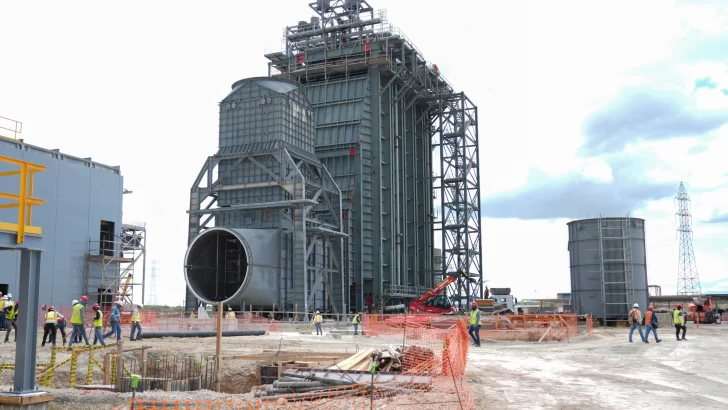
(605, 371)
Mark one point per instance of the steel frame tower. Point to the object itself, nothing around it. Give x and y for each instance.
(395, 136)
(688, 282)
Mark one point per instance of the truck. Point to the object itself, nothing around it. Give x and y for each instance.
(701, 309)
(499, 301)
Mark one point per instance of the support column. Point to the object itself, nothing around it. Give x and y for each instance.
(27, 332)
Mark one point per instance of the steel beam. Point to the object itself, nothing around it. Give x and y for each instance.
(27, 321)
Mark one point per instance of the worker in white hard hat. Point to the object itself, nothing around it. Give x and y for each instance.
(3, 320)
(635, 321)
(115, 321)
(317, 322)
(230, 314)
(136, 322)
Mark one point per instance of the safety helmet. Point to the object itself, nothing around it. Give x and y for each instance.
(51, 308)
(84, 298)
(317, 312)
(5, 298)
(140, 305)
(678, 306)
(74, 301)
(10, 296)
(230, 308)
(636, 305)
(650, 307)
(120, 302)
(17, 303)
(473, 304)
(95, 306)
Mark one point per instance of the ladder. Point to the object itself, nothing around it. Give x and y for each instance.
(615, 266)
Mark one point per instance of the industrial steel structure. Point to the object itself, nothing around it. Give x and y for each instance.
(688, 281)
(387, 130)
(608, 266)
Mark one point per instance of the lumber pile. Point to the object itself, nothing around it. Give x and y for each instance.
(385, 360)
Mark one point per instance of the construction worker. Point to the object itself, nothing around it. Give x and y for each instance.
(76, 338)
(49, 328)
(475, 323)
(78, 321)
(317, 322)
(62, 327)
(230, 314)
(98, 324)
(357, 321)
(115, 321)
(3, 321)
(679, 318)
(651, 324)
(11, 313)
(635, 321)
(136, 322)
(193, 315)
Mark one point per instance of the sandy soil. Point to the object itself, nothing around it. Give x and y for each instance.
(605, 371)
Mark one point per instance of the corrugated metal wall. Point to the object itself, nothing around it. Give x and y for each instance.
(78, 195)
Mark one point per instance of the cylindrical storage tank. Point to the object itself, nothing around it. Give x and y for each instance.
(612, 249)
(234, 266)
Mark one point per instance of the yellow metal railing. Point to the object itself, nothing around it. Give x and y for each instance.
(24, 200)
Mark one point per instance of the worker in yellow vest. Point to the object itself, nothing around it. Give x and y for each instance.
(193, 315)
(317, 322)
(11, 313)
(49, 328)
(98, 324)
(357, 321)
(78, 321)
(230, 314)
(3, 320)
(474, 330)
(136, 322)
(679, 319)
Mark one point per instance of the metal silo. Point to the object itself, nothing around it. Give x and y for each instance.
(608, 266)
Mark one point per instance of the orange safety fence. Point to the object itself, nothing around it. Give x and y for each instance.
(433, 361)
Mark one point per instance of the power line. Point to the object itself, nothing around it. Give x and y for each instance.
(688, 282)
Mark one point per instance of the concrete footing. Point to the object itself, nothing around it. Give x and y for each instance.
(27, 401)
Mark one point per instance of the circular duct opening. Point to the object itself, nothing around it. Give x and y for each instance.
(216, 265)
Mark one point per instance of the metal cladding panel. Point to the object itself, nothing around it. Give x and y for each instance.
(78, 194)
(586, 282)
(263, 109)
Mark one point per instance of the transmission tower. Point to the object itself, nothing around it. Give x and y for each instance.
(153, 285)
(688, 282)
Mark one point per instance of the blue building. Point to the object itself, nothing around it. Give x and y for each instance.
(85, 246)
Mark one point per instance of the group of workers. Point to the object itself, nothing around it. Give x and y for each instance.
(55, 321)
(636, 321)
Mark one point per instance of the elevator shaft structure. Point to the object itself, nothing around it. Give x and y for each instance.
(400, 143)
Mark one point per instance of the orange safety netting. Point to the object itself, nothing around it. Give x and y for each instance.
(433, 362)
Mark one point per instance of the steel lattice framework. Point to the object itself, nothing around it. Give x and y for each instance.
(454, 123)
(688, 282)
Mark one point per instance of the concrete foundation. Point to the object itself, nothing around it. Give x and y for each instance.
(27, 401)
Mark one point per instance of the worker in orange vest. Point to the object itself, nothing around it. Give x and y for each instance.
(651, 324)
(635, 321)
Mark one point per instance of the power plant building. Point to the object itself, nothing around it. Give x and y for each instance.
(608, 267)
(86, 249)
(352, 161)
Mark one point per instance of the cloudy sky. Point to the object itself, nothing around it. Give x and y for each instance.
(586, 108)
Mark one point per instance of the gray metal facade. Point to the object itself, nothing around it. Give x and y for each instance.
(398, 142)
(608, 266)
(78, 195)
(396, 138)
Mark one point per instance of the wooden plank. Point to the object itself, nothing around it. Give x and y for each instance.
(304, 354)
(107, 369)
(253, 357)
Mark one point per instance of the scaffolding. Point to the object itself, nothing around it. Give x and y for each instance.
(615, 267)
(113, 265)
(424, 142)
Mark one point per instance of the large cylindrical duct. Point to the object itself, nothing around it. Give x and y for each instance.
(234, 266)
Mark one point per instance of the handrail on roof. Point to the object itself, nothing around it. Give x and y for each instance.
(23, 200)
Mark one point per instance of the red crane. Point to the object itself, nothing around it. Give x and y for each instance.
(433, 301)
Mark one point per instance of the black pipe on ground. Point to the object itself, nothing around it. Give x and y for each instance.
(204, 333)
